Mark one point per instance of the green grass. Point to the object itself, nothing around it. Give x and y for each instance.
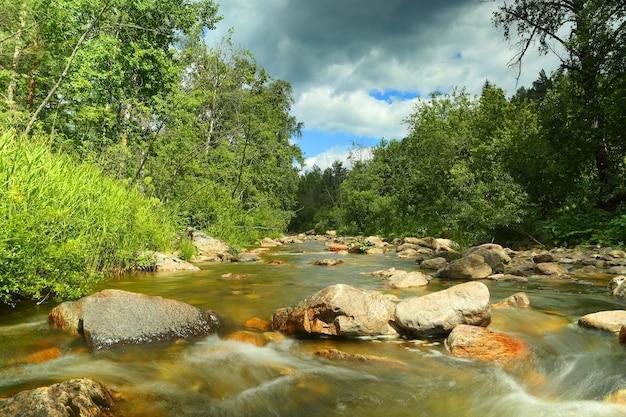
(64, 224)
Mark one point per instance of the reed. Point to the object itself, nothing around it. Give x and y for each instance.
(65, 225)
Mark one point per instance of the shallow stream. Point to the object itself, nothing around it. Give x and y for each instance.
(570, 371)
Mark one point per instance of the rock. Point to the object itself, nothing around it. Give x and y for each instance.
(610, 321)
(73, 398)
(328, 262)
(493, 254)
(622, 334)
(407, 253)
(169, 263)
(469, 267)
(275, 262)
(375, 251)
(517, 300)
(436, 314)
(434, 263)
(480, 343)
(544, 257)
(335, 354)
(233, 277)
(258, 324)
(248, 336)
(209, 248)
(374, 241)
(404, 279)
(113, 317)
(552, 269)
(40, 356)
(618, 397)
(618, 286)
(338, 310)
(336, 247)
(507, 278)
(246, 257)
(617, 270)
(386, 273)
(267, 242)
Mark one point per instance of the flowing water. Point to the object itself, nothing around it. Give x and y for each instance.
(570, 372)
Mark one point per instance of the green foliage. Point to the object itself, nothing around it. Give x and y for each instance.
(62, 223)
(186, 248)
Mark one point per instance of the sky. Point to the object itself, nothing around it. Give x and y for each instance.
(359, 67)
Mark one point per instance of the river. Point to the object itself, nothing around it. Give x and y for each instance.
(570, 371)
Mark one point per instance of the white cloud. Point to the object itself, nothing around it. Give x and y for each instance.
(345, 154)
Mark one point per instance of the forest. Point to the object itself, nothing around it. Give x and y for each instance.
(120, 126)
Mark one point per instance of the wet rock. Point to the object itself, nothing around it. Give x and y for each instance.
(618, 397)
(338, 310)
(507, 278)
(517, 300)
(40, 356)
(402, 279)
(618, 286)
(622, 334)
(73, 398)
(233, 277)
(374, 241)
(209, 248)
(328, 262)
(336, 247)
(248, 336)
(275, 262)
(436, 314)
(617, 270)
(247, 257)
(113, 317)
(434, 263)
(339, 355)
(480, 343)
(375, 251)
(494, 255)
(258, 324)
(468, 267)
(609, 321)
(552, 269)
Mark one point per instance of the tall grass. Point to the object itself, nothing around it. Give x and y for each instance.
(63, 224)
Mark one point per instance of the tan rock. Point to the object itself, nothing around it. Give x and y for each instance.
(328, 262)
(552, 269)
(469, 267)
(247, 336)
(258, 324)
(517, 300)
(609, 321)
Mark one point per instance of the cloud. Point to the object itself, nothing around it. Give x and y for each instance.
(344, 154)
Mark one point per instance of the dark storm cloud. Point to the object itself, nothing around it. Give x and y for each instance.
(296, 40)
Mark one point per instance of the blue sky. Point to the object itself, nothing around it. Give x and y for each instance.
(359, 67)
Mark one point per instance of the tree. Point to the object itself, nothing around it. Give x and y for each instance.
(589, 38)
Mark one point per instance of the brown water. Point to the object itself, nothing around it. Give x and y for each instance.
(571, 369)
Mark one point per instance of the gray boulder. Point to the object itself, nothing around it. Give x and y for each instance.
(73, 398)
(338, 310)
(115, 317)
(472, 266)
(436, 314)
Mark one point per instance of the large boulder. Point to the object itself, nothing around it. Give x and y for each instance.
(209, 248)
(436, 314)
(338, 310)
(480, 343)
(113, 317)
(169, 263)
(472, 266)
(608, 321)
(493, 254)
(73, 398)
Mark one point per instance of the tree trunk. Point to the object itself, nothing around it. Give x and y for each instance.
(17, 55)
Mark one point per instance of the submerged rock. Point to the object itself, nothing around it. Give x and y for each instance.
(73, 398)
(338, 310)
(339, 355)
(517, 300)
(328, 262)
(480, 343)
(113, 317)
(436, 314)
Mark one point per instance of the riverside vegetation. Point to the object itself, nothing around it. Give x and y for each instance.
(121, 126)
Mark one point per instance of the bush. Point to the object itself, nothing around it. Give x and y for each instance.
(64, 224)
